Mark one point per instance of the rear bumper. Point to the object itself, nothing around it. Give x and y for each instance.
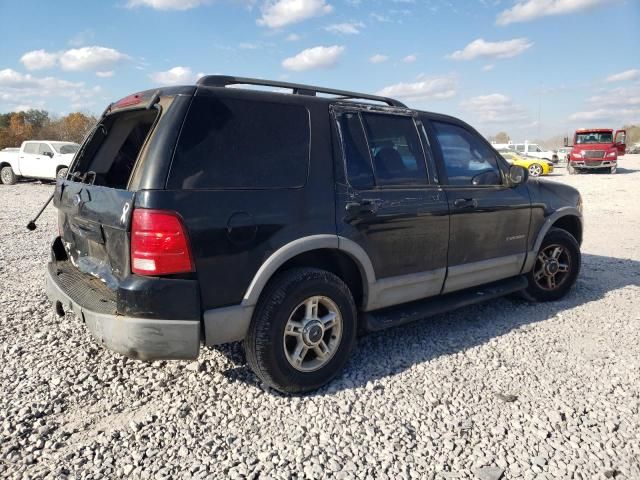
(141, 338)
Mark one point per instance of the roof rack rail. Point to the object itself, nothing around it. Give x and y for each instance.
(297, 89)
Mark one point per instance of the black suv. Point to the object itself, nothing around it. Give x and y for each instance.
(293, 221)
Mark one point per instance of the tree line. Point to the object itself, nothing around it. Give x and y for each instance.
(16, 127)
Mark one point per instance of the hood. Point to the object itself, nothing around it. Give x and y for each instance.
(592, 146)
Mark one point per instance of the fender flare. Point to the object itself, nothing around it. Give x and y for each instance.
(307, 244)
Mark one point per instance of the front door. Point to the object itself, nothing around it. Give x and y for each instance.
(389, 206)
(489, 220)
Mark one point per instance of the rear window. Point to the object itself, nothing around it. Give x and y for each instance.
(113, 149)
(241, 144)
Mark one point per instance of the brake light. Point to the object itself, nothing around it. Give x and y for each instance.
(128, 101)
(159, 243)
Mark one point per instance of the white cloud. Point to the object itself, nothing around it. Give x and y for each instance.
(621, 115)
(624, 76)
(527, 10)
(293, 37)
(424, 89)
(107, 74)
(278, 13)
(410, 58)
(617, 105)
(488, 67)
(91, 58)
(482, 48)
(494, 108)
(348, 28)
(167, 4)
(23, 88)
(174, 76)
(312, 58)
(378, 58)
(39, 59)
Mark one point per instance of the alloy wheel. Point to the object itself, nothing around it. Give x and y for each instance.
(535, 170)
(312, 334)
(553, 266)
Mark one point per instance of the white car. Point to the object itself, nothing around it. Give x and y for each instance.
(42, 159)
(563, 154)
(534, 150)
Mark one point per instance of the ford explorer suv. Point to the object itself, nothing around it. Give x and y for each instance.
(291, 221)
(43, 159)
(596, 149)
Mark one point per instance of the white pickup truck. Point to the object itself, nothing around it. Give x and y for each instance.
(42, 159)
(534, 150)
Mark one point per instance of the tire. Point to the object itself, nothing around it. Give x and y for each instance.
(540, 288)
(613, 169)
(535, 170)
(282, 328)
(7, 176)
(62, 173)
(571, 170)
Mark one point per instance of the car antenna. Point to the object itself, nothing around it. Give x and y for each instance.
(32, 224)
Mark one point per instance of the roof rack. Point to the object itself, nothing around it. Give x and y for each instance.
(297, 89)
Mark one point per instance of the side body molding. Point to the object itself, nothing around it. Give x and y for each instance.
(546, 226)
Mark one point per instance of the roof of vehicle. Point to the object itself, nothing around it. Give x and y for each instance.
(583, 130)
(52, 141)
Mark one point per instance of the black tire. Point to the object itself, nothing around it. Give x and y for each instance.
(7, 176)
(265, 341)
(571, 169)
(539, 289)
(62, 173)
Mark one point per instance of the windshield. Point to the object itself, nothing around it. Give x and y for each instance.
(594, 137)
(64, 148)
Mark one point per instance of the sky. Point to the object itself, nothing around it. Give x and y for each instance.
(532, 68)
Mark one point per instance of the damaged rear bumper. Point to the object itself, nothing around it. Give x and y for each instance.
(141, 338)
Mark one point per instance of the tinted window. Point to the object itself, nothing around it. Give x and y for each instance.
(468, 160)
(31, 148)
(356, 153)
(396, 149)
(520, 148)
(230, 143)
(44, 148)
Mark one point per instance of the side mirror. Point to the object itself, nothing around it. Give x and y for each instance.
(48, 154)
(517, 175)
(566, 141)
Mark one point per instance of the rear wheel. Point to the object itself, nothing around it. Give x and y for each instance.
(571, 169)
(62, 174)
(535, 170)
(7, 176)
(556, 267)
(302, 331)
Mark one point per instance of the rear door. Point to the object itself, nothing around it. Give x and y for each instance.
(489, 220)
(389, 204)
(30, 159)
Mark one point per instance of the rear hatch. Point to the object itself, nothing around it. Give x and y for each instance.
(129, 150)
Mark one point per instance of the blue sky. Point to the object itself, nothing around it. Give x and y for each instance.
(498, 64)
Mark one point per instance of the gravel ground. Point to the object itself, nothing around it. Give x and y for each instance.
(502, 390)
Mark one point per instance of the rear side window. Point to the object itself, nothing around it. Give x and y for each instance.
(241, 144)
(396, 149)
(356, 153)
(31, 148)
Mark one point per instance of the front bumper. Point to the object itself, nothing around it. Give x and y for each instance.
(141, 338)
(593, 164)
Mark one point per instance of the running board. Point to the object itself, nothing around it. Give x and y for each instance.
(410, 312)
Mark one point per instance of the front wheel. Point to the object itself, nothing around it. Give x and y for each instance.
(303, 330)
(556, 267)
(613, 169)
(571, 169)
(7, 176)
(62, 174)
(535, 170)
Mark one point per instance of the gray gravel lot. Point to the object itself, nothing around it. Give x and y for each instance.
(502, 390)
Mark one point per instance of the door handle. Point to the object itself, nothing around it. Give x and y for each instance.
(469, 203)
(363, 206)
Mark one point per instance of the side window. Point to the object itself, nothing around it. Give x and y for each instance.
(356, 154)
(241, 144)
(468, 160)
(520, 148)
(31, 148)
(396, 150)
(45, 149)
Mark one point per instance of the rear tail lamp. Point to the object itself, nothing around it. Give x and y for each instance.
(159, 243)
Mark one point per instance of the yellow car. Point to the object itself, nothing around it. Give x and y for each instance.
(536, 166)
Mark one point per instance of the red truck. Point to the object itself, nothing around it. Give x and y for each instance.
(596, 149)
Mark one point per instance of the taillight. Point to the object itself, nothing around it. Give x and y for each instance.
(159, 243)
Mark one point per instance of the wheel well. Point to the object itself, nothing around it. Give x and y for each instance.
(60, 167)
(571, 224)
(334, 261)
(4, 164)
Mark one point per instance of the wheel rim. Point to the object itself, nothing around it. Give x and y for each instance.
(535, 170)
(553, 266)
(5, 175)
(312, 334)
(62, 173)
